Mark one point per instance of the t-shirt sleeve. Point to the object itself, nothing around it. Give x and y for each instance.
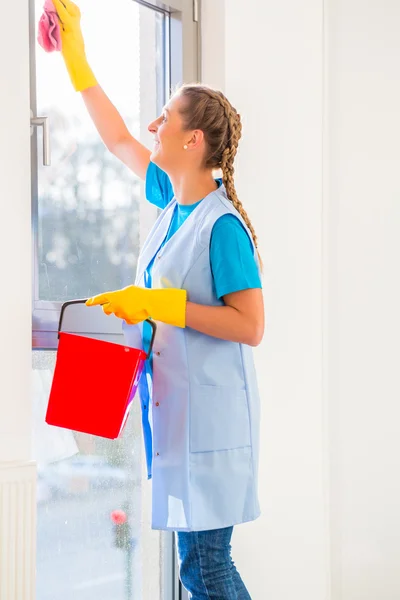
(233, 264)
(158, 186)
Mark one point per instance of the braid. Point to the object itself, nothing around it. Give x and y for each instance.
(223, 130)
(228, 169)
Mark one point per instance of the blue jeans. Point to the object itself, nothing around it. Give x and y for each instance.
(206, 567)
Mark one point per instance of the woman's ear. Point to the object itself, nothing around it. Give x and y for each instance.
(196, 140)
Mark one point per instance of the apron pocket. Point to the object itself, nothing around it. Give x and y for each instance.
(219, 418)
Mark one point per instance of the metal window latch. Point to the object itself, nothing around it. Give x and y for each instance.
(44, 123)
(196, 11)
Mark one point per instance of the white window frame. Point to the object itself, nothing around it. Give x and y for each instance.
(182, 66)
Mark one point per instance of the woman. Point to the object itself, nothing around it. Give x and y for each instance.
(198, 277)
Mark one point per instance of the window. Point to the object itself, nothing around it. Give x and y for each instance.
(89, 218)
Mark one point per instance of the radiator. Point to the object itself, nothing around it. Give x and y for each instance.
(17, 531)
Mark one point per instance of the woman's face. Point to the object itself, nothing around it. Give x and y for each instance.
(170, 139)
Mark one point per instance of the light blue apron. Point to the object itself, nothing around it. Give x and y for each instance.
(201, 418)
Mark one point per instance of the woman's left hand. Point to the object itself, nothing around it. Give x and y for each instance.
(135, 304)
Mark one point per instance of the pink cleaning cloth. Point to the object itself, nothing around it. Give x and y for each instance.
(49, 34)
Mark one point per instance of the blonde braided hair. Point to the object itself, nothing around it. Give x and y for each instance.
(209, 110)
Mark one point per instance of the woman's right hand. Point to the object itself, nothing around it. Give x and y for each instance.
(105, 116)
(73, 45)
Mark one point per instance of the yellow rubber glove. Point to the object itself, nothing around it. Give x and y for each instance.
(73, 45)
(135, 304)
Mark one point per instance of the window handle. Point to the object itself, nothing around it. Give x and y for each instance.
(44, 123)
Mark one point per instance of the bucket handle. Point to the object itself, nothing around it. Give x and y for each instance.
(83, 301)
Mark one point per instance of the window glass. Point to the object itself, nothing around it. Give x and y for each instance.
(87, 479)
(86, 222)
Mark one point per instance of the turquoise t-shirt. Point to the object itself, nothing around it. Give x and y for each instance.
(232, 261)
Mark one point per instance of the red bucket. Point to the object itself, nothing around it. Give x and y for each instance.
(94, 383)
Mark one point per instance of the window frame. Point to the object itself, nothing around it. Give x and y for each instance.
(182, 64)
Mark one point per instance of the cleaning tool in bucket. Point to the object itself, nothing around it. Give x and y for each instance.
(94, 382)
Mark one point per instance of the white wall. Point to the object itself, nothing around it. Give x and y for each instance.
(318, 86)
(17, 473)
(15, 239)
(364, 333)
